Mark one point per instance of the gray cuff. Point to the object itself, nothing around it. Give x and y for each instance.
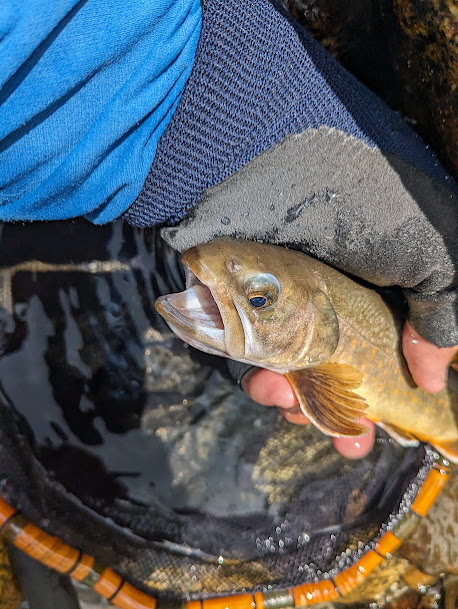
(238, 370)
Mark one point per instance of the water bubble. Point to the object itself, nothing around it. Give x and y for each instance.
(225, 220)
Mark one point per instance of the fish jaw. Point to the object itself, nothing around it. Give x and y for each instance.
(191, 320)
(204, 316)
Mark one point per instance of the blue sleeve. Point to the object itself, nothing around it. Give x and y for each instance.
(86, 89)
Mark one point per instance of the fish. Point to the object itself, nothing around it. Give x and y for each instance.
(335, 340)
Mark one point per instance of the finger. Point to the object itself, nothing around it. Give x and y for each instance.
(294, 415)
(269, 388)
(351, 448)
(356, 448)
(428, 364)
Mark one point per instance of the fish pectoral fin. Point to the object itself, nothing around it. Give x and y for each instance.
(454, 363)
(326, 397)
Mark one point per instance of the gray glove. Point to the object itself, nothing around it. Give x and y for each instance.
(330, 195)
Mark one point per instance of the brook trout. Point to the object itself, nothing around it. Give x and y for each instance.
(336, 341)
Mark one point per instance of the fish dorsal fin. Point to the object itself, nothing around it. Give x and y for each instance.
(326, 397)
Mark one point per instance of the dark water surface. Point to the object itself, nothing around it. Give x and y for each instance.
(111, 395)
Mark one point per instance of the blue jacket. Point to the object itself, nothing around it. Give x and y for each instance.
(87, 87)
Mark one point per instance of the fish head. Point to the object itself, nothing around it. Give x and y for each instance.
(254, 303)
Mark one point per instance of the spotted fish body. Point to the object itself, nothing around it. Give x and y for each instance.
(370, 342)
(336, 341)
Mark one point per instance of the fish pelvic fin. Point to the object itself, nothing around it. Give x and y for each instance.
(449, 450)
(326, 397)
(402, 437)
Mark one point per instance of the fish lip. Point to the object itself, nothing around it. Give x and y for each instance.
(193, 280)
(163, 304)
(206, 329)
(197, 271)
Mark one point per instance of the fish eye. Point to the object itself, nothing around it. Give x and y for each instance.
(262, 290)
(258, 300)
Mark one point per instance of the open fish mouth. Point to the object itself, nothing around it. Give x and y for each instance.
(194, 315)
